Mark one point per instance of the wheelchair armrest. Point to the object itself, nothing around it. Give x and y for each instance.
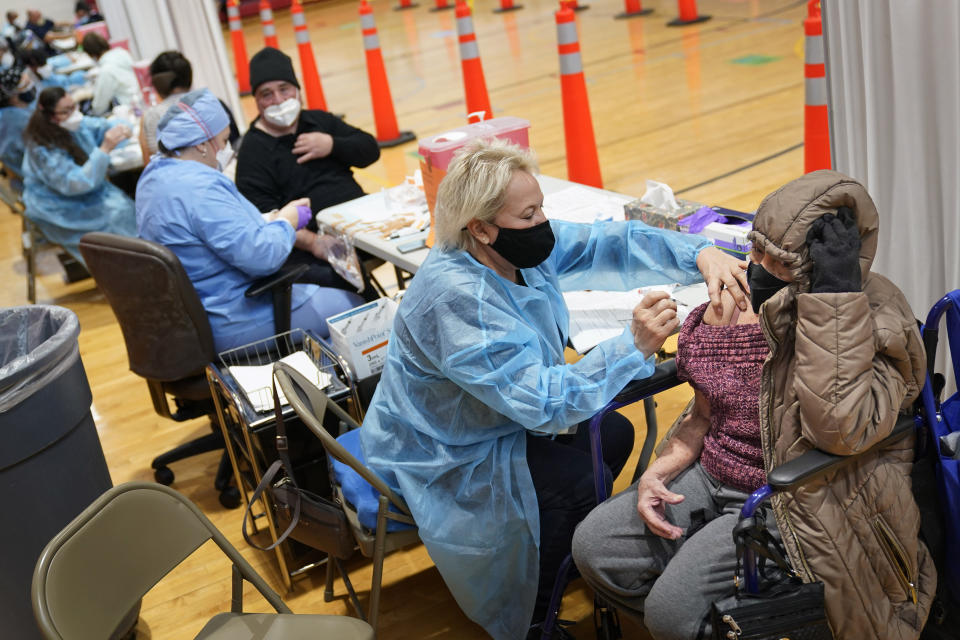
(663, 378)
(815, 462)
(279, 284)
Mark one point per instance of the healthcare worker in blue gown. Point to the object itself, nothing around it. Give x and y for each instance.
(66, 192)
(185, 203)
(475, 385)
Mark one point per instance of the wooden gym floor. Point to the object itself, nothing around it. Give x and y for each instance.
(714, 110)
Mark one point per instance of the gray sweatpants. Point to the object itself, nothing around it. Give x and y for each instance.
(668, 584)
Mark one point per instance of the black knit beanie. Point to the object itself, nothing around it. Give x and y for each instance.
(271, 64)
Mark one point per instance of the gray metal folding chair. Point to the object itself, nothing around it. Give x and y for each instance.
(98, 568)
(379, 518)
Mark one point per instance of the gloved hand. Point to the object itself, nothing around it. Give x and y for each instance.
(834, 243)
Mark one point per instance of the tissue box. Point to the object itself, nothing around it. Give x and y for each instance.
(660, 218)
(361, 334)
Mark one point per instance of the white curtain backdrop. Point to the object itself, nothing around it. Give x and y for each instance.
(189, 26)
(893, 73)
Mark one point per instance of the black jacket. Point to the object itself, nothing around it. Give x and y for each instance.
(269, 176)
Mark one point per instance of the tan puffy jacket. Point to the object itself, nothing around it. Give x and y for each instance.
(841, 367)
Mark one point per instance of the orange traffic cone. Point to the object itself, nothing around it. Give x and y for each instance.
(442, 5)
(816, 126)
(474, 85)
(583, 166)
(308, 64)
(269, 30)
(632, 8)
(507, 5)
(388, 133)
(687, 10)
(573, 5)
(405, 4)
(240, 61)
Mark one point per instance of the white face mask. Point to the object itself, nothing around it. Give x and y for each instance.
(224, 156)
(283, 114)
(73, 122)
(44, 71)
(7, 59)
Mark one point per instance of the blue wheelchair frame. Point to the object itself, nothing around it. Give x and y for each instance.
(935, 412)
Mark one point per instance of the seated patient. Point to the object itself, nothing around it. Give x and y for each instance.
(289, 152)
(185, 203)
(835, 356)
(115, 80)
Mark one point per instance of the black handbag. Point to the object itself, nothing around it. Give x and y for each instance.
(784, 608)
(315, 521)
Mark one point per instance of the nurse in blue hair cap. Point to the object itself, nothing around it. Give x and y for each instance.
(185, 203)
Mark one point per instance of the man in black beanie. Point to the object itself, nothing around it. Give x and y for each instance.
(289, 153)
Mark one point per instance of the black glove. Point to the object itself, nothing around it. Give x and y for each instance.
(834, 242)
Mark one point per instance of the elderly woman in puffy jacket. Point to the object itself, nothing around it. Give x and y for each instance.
(831, 356)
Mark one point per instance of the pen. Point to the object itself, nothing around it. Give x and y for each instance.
(406, 231)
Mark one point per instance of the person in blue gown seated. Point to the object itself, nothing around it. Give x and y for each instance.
(475, 388)
(66, 192)
(185, 203)
(17, 95)
(44, 70)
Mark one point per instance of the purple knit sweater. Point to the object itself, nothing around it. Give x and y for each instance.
(723, 363)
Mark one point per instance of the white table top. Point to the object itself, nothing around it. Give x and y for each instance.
(368, 222)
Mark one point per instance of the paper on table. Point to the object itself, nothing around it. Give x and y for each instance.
(576, 204)
(596, 316)
(256, 381)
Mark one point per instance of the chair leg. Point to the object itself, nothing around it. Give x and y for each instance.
(224, 473)
(553, 612)
(379, 545)
(328, 587)
(401, 277)
(30, 256)
(375, 285)
(605, 620)
(351, 592)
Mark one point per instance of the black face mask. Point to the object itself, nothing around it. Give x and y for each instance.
(525, 248)
(763, 285)
(29, 95)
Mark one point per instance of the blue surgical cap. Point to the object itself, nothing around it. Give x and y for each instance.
(194, 118)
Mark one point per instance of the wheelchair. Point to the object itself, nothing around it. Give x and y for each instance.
(935, 481)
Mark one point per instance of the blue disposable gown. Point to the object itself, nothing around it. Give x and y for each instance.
(473, 361)
(66, 200)
(222, 241)
(13, 120)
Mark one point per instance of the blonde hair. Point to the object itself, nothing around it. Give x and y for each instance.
(475, 187)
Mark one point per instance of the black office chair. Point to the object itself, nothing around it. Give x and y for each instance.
(168, 337)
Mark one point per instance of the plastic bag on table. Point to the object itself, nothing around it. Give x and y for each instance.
(342, 256)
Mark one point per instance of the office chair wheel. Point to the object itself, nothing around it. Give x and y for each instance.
(163, 475)
(230, 497)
